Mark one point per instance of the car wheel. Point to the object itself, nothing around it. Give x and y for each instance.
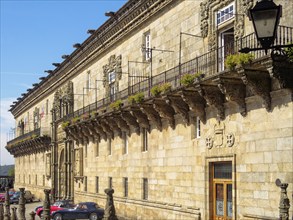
(58, 217)
(93, 216)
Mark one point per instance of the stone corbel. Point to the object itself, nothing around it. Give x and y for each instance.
(85, 136)
(141, 118)
(165, 111)
(121, 123)
(179, 106)
(234, 91)
(95, 134)
(99, 129)
(259, 84)
(87, 131)
(195, 102)
(213, 97)
(151, 114)
(130, 120)
(282, 71)
(77, 132)
(113, 124)
(106, 128)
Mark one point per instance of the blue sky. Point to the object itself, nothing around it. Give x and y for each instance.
(35, 34)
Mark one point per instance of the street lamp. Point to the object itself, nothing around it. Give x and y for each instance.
(265, 17)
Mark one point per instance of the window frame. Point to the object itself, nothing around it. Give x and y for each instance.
(145, 191)
(224, 14)
(145, 142)
(125, 186)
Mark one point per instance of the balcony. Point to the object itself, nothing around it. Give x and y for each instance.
(35, 141)
(216, 86)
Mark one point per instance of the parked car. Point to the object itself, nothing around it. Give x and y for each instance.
(29, 197)
(83, 210)
(58, 205)
(2, 195)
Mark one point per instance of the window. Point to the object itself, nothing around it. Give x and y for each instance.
(97, 149)
(88, 81)
(47, 107)
(85, 150)
(125, 185)
(36, 179)
(125, 143)
(147, 46)
(85, 184)
(43, 180)
(222, 190)
(145, 188)
(97, 184)
(225, 14)
(111, 80)
(198, 131)
(29, 179)
(110, 147)
(110, 183)
(144, 140)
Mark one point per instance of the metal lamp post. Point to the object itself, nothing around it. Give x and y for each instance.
(265, 16)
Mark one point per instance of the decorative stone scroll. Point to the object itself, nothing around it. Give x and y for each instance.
(208, 9)
(113, 66)
(219, 138)
(63, 97)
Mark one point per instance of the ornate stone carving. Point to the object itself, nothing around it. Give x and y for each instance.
(113, 124)
(246, 5)
(196, 103)
(121, 123)
(259, 84)
(113, 66)
(234, 91)
(141, 117)
(110, 213)
(107, 129)
(165, 111)
(282, 71)
(36, 118)
(230, 139)
(284, 204)
(179, 106)
(46, 204)
(130, 120)
(204, 16)
(99, 129)
(152, 114)
(219, 138)
(63, 96)
(214, 98)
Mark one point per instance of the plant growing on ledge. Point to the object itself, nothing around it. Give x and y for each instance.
(75, 119)
(234, 60)
(189, 79)
(160, 89)
(137, 98)
(65, 124)
(116, 105)
(289, 53)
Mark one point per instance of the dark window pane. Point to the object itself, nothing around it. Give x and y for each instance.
(223, 171)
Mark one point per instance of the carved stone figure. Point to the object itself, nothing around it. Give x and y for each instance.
(21, 205)
(110, 213)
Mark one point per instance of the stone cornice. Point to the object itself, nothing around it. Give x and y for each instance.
(129, 17)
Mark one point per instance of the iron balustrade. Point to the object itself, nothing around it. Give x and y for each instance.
(209, 64)
(36, 132)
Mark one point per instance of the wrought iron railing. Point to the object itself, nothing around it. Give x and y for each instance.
(43, 131)
(208, 64)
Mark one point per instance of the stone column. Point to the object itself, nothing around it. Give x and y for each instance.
(1, 211)
(46, 205)
(13, 215)
(110, 213)
(66, 169)
(21, 205)
(7, 205)
(284, 204)
(32, 214)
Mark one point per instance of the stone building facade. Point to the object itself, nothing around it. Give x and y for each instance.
(147, 106)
